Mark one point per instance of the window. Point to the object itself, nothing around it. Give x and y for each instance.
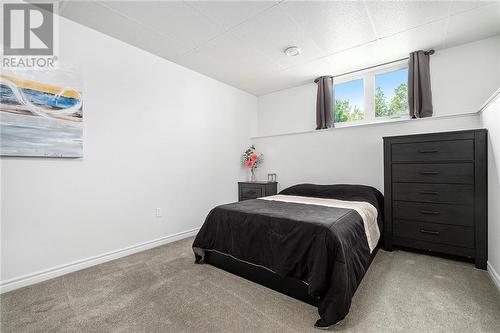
(349, 101)
(373, 95)
(391, 93)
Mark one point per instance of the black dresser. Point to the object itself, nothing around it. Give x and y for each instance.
(436, 193)
(254, 190)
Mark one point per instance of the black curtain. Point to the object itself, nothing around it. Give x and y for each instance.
(324, 103)
(419, 85)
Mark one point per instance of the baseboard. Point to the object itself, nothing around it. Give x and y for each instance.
(494, 275)
(51, 273)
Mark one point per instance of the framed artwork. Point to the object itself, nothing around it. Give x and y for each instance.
(41, 113)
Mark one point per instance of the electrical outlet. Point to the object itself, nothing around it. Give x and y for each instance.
(158, 212)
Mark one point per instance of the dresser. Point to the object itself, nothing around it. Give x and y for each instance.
(435, 189)
(254, 190)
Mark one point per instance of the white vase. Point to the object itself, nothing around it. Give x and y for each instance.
(252, 175)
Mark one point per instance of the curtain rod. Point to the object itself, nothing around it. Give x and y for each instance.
(430, 52)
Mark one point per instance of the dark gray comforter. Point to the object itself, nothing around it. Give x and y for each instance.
(324, 246)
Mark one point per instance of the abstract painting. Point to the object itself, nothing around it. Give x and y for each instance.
(41, 113)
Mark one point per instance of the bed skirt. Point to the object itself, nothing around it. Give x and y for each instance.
(286, 285)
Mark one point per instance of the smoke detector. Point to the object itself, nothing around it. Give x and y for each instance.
(292, 51)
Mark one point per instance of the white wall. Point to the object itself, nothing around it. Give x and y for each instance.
(463, 77)
(288, 111)
(156, 135)
(490, 119)
(343, 155)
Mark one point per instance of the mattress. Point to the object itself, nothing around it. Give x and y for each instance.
(320, 234)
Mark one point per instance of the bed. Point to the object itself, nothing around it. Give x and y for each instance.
(312, 242)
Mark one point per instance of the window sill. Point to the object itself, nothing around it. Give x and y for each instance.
(340, 126)
(372, 122)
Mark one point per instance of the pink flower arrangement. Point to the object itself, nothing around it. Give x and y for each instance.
(252, 160)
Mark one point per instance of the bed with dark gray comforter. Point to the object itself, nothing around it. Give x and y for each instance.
(325, 246)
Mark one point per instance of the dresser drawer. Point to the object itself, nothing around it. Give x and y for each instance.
(458, 173)
(435, 233)
(429, 212)
(440, 193)
(251, 192)
(458, 150)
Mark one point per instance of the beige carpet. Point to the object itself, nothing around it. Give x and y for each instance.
(162, 290)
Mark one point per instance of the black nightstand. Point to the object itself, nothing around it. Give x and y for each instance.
(254, 190)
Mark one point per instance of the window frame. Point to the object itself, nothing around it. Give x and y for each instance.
(368, 77)
(347, 78)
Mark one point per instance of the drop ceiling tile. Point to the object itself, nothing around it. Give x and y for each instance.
(291, 77)
(102, 19)
(272, 83)
(360, 57)
(388, 49)
(230, 49)
(228, 55)
(234, 74)
(273, 31)
(334, 26)
(307, 72)
(200, 63)
(390, 17)
(230, 13)
(474, 25)
(424, 37)
(463, 6)
(175, 19)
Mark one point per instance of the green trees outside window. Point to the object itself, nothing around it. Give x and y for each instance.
(398, 104)
(346, 112)
(389, 97)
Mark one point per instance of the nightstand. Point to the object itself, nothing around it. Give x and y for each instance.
(254, 190)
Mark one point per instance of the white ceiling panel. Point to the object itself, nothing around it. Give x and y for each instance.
(473, 25)
(463, 6)
(201, 63)
(176, 19)
(242, 43)
(232, 74)
(230, 49)
(230, 13)
(387, 49)
(291, 77)
(273, 31)
(102, 19)
(390, 17)
(358, 57)
(428, 36)
(333, 25)
(229, 55)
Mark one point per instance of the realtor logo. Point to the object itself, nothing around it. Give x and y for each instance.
(28, 29)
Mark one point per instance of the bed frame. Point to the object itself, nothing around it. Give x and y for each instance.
(289, 286)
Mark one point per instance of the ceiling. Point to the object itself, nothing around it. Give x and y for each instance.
(241, 43)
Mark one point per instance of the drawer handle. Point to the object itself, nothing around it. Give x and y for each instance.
(430, 232)
(429, 192)
(429, 212)
(251, 192)
(426, 173)
(428, 151)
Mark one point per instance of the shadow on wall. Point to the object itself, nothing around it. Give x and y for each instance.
(493, 164)
(490, 119)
